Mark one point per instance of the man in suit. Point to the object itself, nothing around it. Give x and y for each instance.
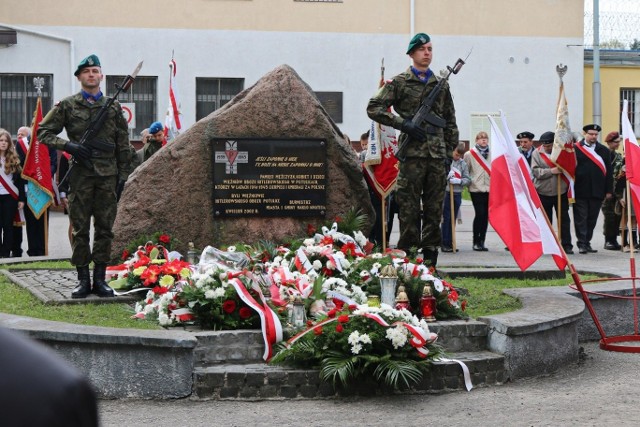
(41, 389)
(525, 140)
(593, 184)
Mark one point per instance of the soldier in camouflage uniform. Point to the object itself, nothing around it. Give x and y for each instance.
(422, 176)
(611, 219)
(96, 173)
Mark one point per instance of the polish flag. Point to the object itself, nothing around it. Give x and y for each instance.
(631, 156)
(515, 211)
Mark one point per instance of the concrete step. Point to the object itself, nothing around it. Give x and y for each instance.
(265, 382)
(247, 346)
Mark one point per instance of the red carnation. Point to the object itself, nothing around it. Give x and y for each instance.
(229, 306)
(317, 330)
(343, 318)
(332, 313)
(165, 239)
(339, 327)
(125, 255)
(244, 312)
(309, 323)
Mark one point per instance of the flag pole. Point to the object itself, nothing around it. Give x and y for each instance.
(632, 258)
(559, 207)
(561, 70)
(38, 83)
(577, 281)
(382, 198)
(452, 214)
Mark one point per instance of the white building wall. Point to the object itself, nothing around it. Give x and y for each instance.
(341, 62)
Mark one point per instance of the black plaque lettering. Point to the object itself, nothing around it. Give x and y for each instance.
(269, 177)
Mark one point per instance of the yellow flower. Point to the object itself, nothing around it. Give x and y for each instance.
(167, 280)
(185, 272)
(138, 271)
(158, 261)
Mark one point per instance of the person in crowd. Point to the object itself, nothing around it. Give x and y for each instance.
(96, 173)
(546, 177)
(155, 141)
(35, 226)
(458, 178)
(525, 142)
(12, 195)
(478, 159)
(627, 217)
(611, 223)
(40, 389)
(593, 184)
(423, 172)
(22, 145)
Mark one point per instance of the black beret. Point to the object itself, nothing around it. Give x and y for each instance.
(592, 126)
(525, 134)
(547, 138)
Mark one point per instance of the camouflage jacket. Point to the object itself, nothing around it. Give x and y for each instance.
(74, 114)
(405, 93)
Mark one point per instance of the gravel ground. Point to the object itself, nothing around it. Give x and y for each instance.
(600, 390)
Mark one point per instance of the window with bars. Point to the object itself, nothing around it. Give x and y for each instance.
(213, 93)
(18, 98)
(143, 93)
(633, 96)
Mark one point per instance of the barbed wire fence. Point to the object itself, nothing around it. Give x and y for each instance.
(618, 25)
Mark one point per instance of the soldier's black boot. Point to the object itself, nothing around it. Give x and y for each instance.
(100, 286)
(84, 283)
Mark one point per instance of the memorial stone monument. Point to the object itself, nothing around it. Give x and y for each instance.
(263, 166)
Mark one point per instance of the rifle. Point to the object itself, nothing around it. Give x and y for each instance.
(424, 113)
(88, 137)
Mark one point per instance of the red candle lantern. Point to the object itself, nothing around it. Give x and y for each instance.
(428, 304)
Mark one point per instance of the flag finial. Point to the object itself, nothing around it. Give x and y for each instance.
(38, 83)
(561, 70)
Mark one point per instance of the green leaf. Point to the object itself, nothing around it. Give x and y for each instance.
(396, 372)
(338, 367)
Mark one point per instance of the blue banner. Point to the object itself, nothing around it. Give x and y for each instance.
(38, 200)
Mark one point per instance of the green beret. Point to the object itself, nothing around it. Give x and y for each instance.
(89, 61)
(417, 41)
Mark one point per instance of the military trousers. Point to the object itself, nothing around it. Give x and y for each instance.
(91, 197)
(420, 180)
(611, 223)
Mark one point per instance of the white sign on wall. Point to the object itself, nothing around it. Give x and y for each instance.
(129, 113)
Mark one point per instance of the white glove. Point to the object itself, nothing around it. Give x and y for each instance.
(455, 180)
(451, 173)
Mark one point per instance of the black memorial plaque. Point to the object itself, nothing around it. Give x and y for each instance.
(269, 177)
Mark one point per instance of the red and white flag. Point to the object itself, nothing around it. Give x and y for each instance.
(563, 154)
(631, 156)
(172, 122)
(37, 170)
(515, 211)
(380, 165)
